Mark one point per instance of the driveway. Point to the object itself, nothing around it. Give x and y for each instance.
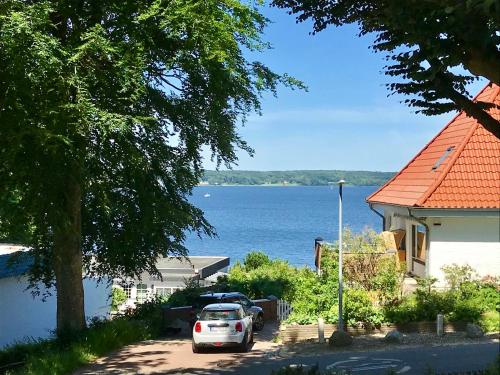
(174, 355)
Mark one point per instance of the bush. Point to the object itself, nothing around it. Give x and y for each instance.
(468, 301)
(298, 370)
(256, 259)
(366, 266)
(358, 308)
(456, 275)
(490, 321)
(118, 297)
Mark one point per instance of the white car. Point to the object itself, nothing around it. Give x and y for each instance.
(223, 324)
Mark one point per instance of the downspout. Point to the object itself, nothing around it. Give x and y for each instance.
(379, 214)
(427, 236)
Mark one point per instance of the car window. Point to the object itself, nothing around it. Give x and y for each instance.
(231, 300)
(220, 315)
(203, 301)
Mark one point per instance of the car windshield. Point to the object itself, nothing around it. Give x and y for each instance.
(220, 315)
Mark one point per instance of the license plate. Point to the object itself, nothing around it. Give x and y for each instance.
(218, 329)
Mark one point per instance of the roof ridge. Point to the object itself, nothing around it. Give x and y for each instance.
(445, 171)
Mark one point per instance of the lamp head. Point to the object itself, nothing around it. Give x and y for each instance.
(341, 182)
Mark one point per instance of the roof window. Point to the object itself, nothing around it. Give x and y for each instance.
(443, 157)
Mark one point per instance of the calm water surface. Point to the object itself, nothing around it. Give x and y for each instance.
(282, 221)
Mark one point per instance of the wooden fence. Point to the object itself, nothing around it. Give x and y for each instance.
(270, 308)
(297, 333)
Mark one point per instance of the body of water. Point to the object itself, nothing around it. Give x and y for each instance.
(281, 221)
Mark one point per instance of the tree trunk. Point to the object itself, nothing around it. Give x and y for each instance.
(68, 264)
(474, 110)
(443, 85)
(484, 64)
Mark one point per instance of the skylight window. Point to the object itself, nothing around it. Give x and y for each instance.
(443, 157)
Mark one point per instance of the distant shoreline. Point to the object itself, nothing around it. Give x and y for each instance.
(294, 178)
(271, 185)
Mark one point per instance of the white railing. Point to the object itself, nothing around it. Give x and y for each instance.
(284, 310)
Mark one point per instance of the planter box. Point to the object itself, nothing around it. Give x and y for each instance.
(297, 333)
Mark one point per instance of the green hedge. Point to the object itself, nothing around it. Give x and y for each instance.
(368, 302)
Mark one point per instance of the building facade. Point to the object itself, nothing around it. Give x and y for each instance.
(444, 205)
(24, 316)
(176, 273)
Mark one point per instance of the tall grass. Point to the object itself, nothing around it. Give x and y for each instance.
(66, 354)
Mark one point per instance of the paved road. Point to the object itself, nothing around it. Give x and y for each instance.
(176, 357)
(451, 358)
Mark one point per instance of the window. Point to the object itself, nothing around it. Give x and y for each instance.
(127, 288)
(142, 293)
(245, 302)
(163, 291)
(418, 243)
(221, 315)
(443, 157)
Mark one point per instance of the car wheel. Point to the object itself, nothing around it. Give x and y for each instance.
(244, 344)
(196, 348)
(259, 323)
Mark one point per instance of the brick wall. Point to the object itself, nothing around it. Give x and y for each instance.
(296, 333)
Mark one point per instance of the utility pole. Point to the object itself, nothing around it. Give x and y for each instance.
(340, 325)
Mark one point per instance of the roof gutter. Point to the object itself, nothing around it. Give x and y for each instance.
(379, 214)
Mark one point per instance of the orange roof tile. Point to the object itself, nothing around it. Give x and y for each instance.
(458, 168)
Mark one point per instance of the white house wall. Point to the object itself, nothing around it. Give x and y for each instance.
(22, 316)
(473, 239)
(465, 240)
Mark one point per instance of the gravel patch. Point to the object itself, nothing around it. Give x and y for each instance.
(376, 342)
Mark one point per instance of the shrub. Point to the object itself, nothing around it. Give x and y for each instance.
(366, 265)
(118, 297)
(467, 301)
(358, 308)
(490, 321)
(256, 259)
(298, 370)
(456, 275)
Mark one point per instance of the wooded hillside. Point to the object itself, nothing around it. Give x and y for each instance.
(301, 177)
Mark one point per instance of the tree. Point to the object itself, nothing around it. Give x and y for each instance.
(434, 47)
(105, 107)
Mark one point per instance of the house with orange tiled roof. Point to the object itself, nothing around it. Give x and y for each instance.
(444, 205)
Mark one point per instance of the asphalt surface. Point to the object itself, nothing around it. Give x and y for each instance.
(418, 360)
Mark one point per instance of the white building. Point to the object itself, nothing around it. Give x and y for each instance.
(176, 274)
(23, 316)
(444, 205)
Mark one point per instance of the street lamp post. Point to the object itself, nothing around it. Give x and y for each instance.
(340, 325)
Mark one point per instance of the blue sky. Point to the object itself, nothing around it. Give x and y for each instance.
(345, 120)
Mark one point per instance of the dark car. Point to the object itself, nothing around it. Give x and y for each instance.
(232, 297)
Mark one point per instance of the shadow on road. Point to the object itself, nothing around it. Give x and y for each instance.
(174, 355)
